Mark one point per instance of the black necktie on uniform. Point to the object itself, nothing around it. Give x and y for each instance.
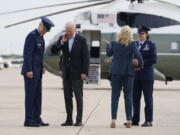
(140, 45)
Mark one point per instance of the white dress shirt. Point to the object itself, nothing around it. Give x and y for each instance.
(70, 42)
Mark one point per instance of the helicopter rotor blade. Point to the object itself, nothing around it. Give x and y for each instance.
(47, 6)
(169, 2)
(60, 12)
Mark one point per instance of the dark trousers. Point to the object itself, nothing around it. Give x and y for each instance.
(75, 86)
(117, 82)
(33, 99)
(145, 86)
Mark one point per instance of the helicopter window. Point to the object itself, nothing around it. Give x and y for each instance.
(175, 47)
(100, 16)
(95, 44)
(137, 19)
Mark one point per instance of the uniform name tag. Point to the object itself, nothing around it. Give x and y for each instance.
(38, 45)
(146, 48)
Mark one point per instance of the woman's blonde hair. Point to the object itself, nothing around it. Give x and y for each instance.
(125, 36)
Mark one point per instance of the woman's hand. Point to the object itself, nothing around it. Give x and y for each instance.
(105, 41)
(135, 62)
(29, 75)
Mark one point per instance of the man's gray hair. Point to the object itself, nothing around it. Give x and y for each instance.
(70, 24)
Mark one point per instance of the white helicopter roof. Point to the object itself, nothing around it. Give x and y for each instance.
(151, 7)
(154, 7)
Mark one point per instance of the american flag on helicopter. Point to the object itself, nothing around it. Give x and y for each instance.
(106, 18)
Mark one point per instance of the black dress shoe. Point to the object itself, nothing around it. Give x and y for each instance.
(133, 123)
(41, 123)
(78, 124)
(67, 123)
(31, 124)
(147, 124)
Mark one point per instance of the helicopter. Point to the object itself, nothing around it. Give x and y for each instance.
(104, 24)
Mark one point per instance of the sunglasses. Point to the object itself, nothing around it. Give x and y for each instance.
(45, 29)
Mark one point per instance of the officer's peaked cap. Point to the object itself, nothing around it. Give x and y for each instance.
(143, 29)
(47, 23)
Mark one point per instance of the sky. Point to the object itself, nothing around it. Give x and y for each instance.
(12, 39)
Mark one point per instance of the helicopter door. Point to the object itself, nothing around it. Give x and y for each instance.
(94, 42)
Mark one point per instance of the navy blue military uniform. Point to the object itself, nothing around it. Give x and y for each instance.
(33, 62)
(144, 80)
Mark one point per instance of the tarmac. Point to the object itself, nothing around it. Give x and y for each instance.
(97, 112)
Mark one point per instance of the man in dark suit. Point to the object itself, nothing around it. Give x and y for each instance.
(32, 71)
(75, 64)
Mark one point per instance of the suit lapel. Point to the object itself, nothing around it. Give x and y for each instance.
(67, 48)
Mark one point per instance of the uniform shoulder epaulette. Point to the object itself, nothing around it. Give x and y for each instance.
(33, 32)
(151, 42)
